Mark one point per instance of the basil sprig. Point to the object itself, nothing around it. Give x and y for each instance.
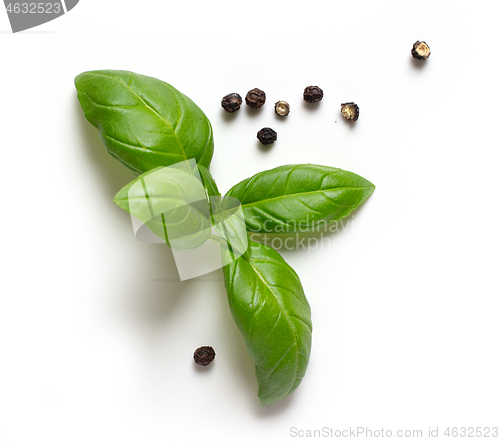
(146, 124)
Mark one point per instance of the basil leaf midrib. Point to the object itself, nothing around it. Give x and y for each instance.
(306, 193)
(283, 313)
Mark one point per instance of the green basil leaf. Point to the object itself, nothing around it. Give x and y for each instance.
(230, 225)
(299, 197)
(268, 304)
(213, 193)
(144, 122)
(172, 203)
(208, 181)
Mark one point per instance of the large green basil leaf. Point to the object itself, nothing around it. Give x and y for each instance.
(172, 202)
(268, 304)
(299, 197)
(144, 122)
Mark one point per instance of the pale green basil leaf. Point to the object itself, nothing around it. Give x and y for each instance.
(299, 197)
(268, 304)
(144, 122)
(172, 203)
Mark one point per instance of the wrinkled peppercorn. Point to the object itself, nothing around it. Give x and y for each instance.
(267, 135)
(421, 50)
(255, 98)
(350, 111)
(313, 94)
(231, 103)
(282, 108)
(204, 355)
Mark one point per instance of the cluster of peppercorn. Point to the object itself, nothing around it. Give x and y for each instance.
(256, 98)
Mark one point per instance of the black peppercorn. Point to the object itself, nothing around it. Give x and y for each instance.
(255, 98)
(350, 111)
(421, 50)
(204, 355)
(282, 108)
(267, 135)
(313, 94)
(231, 103)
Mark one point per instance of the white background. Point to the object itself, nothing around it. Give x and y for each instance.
(97, 333)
